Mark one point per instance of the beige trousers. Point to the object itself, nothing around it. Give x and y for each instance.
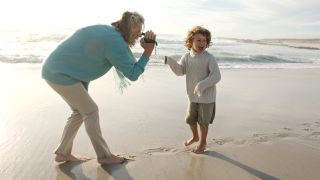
(84, 109)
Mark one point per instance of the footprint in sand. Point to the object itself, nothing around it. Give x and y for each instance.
(260, 138)
(127, 157)
(222, 141)
(317, 123)
(306, 124)
(240, 141)
(280, 135)
(314, 135)
(152, 151)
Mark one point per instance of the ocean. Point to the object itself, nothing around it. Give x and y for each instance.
(32, 46)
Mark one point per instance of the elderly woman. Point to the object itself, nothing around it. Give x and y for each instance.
(85, 56)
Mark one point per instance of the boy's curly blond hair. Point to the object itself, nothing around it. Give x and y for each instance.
(197, 30)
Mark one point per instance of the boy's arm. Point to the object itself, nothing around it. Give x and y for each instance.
(177, 68)
(213, 78)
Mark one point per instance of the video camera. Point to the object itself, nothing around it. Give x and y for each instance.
(148, 40)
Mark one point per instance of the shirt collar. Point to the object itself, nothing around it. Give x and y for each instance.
(194, 53)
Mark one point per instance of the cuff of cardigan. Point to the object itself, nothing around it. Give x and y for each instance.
(143, 60)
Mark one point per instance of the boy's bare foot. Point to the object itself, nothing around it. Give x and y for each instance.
(200, 149)
(190, 141)
(111, 160)
(72, 158)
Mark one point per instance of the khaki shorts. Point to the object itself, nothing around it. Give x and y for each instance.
(201, 113)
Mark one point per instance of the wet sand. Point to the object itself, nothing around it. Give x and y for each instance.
(267, 126)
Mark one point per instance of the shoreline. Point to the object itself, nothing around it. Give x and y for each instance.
(267, 126)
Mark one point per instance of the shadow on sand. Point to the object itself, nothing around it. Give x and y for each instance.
(118, 172)
(70, 170)
(250, 170)
(73, 170)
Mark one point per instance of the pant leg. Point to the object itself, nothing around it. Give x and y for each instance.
(79, 99)
(70, 130)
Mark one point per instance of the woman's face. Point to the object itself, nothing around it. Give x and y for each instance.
(199, 43)
(136, 33)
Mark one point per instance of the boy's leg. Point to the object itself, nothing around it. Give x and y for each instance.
(206, 115)
(195, 136)
(203, 140)
(191, 120)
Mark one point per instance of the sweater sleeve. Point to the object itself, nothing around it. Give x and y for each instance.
(178, 68)
(213, 78)
(120, 56)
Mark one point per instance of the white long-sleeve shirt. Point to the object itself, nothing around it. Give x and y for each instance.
(202, 74)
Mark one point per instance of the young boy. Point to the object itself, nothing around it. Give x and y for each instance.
(202, 74)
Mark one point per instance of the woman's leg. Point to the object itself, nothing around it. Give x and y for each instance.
(79, 99)
(63, 151)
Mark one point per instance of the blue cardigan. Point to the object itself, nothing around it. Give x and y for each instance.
(90, 53)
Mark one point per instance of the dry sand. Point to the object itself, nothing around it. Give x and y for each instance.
(267, 126)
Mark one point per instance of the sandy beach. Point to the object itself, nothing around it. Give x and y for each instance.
(267, 126)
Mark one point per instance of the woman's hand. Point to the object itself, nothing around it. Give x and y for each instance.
(148, 47)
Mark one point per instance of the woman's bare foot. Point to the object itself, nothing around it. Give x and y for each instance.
(190, 141)
(111, 160)
(200, 149)
(72, 158)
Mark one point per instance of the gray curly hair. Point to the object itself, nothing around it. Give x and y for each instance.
(128, 21)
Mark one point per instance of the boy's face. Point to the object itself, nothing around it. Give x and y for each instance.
(199, 43)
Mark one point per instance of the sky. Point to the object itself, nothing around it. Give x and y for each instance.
(252, 19)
